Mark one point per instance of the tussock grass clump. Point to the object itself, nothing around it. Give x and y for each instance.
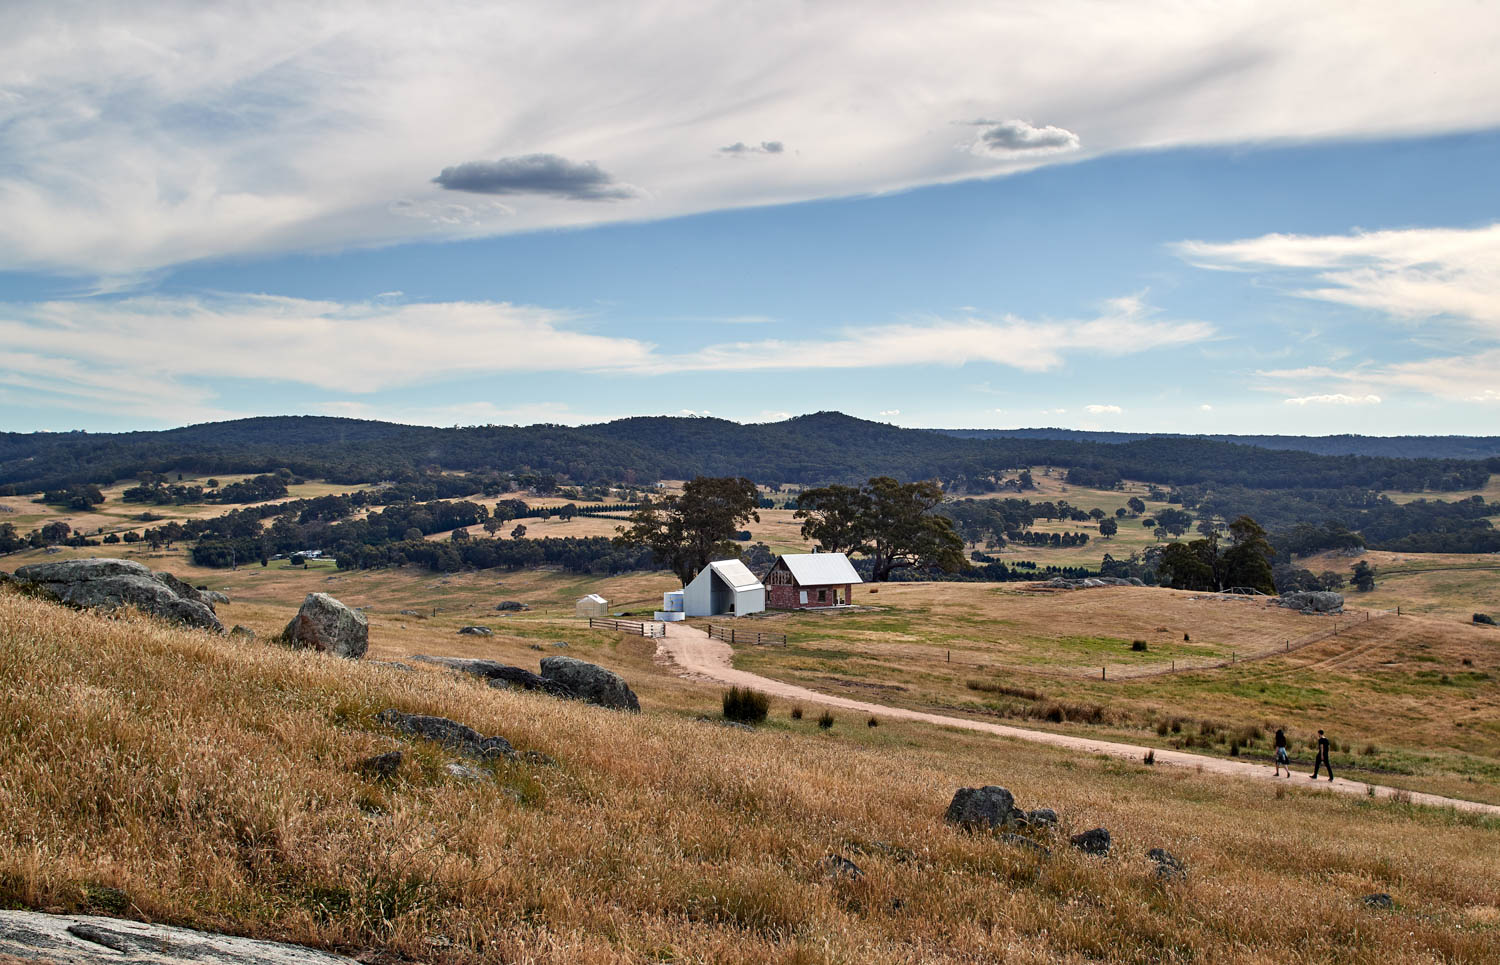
(1003, 690)
(797, 712)
(1138, 646)
(746, 705)
(825, 720)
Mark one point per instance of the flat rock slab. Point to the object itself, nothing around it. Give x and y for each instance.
(108, 584)
(90, 940)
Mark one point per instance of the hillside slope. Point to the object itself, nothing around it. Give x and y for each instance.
(191, 779)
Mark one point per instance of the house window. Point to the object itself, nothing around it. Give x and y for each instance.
(822, 596)
(804, 597)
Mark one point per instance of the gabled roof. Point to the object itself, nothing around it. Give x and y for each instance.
(735, 573)
(818, 569)
(593, 598)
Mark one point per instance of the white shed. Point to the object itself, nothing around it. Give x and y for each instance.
(592, 605)
(726, 587)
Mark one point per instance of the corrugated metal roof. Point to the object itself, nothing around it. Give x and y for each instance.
(593, 598)
(818, 569)
(736, 574)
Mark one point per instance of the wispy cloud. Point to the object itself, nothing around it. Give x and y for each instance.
(1411, 275)
(740, 148)
(1337, 398)
(1097, 409)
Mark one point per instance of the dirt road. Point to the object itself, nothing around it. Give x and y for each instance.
(697, 656)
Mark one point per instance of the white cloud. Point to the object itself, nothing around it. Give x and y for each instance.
(1016, 138)
(1335, 399)
(1410, 275)
(1205, 407)
(1103, 409)
(887, 413)
(139, 136)
(1463, 378)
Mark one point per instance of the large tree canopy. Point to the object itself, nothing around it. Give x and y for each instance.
(891, 523)
(1202, 565)
(687, 532)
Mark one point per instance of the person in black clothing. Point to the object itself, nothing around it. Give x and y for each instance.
(1322, 759)
(1282, 761)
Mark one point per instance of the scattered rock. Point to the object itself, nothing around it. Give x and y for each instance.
(326, 625)
(1379, 900)
(837, 866)
(1095, 841)
(591, 682)
(215, 596)
(561, 644)
(499, 674)
(511, 605)
(90, 940)
(381, 765)
(410, 613)
(1021, 841)
(1090, 582)
(1312, 601)
(476, 631)
(987, 807)
(538, 758)
(450, 733)
(465, 772)
(538, 646)
(240, 630)
(108, 584)
(1168, 866)
(1042, 817)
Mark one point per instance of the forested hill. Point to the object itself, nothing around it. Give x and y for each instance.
(820, 448)
(1398, 447)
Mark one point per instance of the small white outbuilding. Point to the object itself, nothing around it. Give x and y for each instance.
(724, 588)
(592, 605)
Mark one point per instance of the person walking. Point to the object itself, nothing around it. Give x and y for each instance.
(1322, 759)
(1282, 761)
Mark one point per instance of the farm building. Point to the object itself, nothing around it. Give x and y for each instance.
(592, 605)
(809, 580)
(724, 588)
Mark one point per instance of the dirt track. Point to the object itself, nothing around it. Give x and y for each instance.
(697, 656)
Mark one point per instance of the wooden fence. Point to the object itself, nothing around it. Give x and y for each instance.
(738, 635)
(641, 628)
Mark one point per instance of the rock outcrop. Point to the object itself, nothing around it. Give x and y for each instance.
(475, 631)
(590, 682)
(1095, 841)
(109, 584)
(984, 808)
(499, 674)
(90, 940)
(1312, 601)
(326, 625)
(450, 733)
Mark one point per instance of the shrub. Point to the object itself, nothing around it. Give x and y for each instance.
(1370, 750)
(1139, 646)
(1162, 727)
(797, 712)
(1186, 638)
(745, 705)
(1484, 618)
(826, 720)
(872, 722)
(1150, 758)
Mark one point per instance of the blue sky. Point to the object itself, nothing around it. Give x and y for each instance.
(1245, 220)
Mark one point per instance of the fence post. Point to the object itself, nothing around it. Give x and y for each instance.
(1101, 673)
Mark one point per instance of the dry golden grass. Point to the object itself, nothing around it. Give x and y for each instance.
(1450, 585)
(212, 782)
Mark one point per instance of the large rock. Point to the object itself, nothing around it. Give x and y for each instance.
(450, 733)
(1312, 601)
(1094, 841)
(183, 589)
(500, 675)
(108, 584)
(590, 682)
(325, 624)
(89, 940)
(984, 808)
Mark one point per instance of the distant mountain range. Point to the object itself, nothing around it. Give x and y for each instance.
(812, 449)
(1398, 447)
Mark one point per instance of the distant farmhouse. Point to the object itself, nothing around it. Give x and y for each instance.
(806, 581)
(724, 588)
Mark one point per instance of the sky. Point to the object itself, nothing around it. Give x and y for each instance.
(1252, 217)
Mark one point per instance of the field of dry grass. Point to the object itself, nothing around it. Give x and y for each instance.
(212, 782)
(1449, 585)
(1413, 702)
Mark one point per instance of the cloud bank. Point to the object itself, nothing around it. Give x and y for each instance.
(142, 136)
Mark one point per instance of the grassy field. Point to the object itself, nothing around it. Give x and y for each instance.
(1411, 701)
(1449, 585)
(213, 783)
